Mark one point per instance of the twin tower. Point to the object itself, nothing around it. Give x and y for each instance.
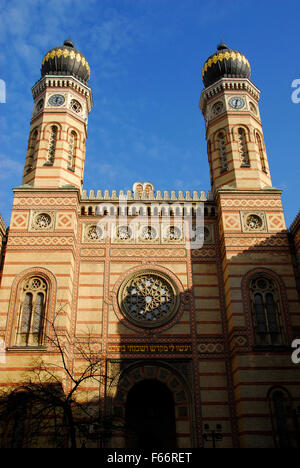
(63, 101)
(207, 328)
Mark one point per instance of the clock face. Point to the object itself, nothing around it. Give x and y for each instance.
(236, 102)
(56, 100)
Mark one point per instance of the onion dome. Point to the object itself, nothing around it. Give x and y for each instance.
(225, 63)
(66, 60)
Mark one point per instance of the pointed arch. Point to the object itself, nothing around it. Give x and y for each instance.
(280, 407)
(243, 147)
(32, 307)
(261, 151)
(221, 144)
(174, 380)
(52, 144)
(209, 154)
(266, 308)
(73, 142)
(32, 149)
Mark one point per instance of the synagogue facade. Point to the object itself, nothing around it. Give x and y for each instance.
(190, 298)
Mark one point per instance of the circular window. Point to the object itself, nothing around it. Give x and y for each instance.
(124, 232)
(94, 233)
(35, 283)
(217, 108)
(43, 221)
(148, 299)
(173, 233)
(200, 233)
(148, 233)
(254, 222)
(75, 106)
(262, 284)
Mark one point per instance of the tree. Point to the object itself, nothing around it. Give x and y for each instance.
(57, 404)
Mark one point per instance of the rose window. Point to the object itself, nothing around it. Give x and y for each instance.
(254, 222)
(173, 233)
(35, 284)
(94, 233)
(148, 233)
(200, 233)
(148, 299)
(217, 108)
(262, 284)
(123, 232)
(43, 221)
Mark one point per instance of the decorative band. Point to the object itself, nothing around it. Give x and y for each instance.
(222, 56)
(66, 53)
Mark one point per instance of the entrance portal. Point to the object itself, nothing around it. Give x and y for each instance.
(150, 416)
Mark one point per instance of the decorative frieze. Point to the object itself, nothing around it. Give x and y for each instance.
(210, 348)
(40, 241)
(44, 201)
(148, 253)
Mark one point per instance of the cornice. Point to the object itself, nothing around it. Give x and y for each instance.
(56, 81)
(59, 190)
(259, 192)
(228, 84)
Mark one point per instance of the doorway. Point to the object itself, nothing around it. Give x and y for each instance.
(150, 416)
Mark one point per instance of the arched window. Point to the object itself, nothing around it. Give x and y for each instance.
(72, 149)
(52, 144)
(261, 153)
(282, 418)
(33, 142)
(243, 149)
(266, 311)
(210, 161)
(32, 312)
(222, 151)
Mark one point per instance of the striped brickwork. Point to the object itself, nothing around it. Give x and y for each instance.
(256, 371)
(206, 354)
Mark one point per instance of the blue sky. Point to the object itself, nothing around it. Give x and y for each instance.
(146, 58)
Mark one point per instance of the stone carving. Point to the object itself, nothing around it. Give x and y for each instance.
(253, 221)
(42, 221)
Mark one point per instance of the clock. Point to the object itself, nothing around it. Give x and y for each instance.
(236, 102)
(56, 100)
